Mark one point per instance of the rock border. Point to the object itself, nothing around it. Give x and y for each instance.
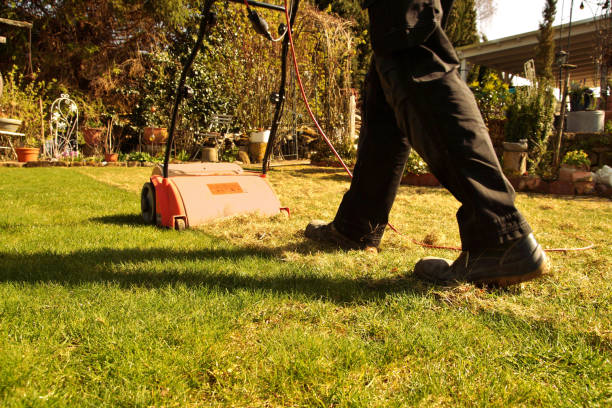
(576, 186)
(48, 163)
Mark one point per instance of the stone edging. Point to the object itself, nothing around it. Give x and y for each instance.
(560, 187)
(45, 163)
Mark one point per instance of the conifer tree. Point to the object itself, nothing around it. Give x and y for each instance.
(461, 27)
(545, 51)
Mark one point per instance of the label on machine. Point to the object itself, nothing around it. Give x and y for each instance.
(225, 188)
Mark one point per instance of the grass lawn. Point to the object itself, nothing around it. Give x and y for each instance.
(97, 309)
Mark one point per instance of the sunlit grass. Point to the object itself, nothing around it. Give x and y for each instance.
(98, 309)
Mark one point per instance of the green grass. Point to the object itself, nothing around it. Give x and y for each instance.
(97, 309)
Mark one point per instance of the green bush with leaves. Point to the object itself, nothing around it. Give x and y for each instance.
(415, 164)
(492, 96)
(530, 115)
(25, 98)
(93, 112)
(141, 157)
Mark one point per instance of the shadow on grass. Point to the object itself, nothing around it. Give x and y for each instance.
(120, 219)
(157, 267)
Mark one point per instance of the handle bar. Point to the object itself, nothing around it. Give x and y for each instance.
(261, 5)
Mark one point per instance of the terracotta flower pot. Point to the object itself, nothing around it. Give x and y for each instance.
(567, 170)
(422, 180)
(27, 154)
(153, 135)
(93, 136)
(111, 157)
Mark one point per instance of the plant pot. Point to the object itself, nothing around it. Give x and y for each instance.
(257, 151)
(586, 121)
(210, 154)
(422, 180)
(153, 135)
(93, 136)
(111, 157)
(27, 154)
(259, 137)
(520, 146)
(566, 171)
(10, 125)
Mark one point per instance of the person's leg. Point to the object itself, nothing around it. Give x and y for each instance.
(382, 152)
(438, 112)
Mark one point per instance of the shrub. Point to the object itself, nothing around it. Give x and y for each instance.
(93, 114)
(577, 158)
(530, 115)
(141, 157)
(492, 96)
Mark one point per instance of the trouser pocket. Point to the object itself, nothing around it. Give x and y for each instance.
(401, 24)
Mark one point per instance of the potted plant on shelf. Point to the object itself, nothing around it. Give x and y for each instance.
(22, 105)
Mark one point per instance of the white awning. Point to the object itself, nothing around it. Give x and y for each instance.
(510, 53)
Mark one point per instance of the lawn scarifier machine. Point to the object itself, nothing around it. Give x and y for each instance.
(186, 195)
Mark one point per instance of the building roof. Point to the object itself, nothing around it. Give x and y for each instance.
(510, 53)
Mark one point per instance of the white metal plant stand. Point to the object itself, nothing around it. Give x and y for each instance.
(64, 123)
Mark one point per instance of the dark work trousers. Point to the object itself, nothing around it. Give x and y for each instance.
(415, 98)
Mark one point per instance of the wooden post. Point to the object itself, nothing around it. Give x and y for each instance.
(559, 134)
(42, 123)
(352, 113)
(603, 82)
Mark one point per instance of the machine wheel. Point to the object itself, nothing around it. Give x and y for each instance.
(147, 203)
(179, 224)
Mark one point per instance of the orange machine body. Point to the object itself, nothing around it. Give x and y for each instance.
(194, 194)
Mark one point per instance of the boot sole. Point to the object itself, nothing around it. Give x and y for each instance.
(504, 281)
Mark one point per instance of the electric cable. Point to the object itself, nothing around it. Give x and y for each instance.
(458, 249)
(301, 86)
